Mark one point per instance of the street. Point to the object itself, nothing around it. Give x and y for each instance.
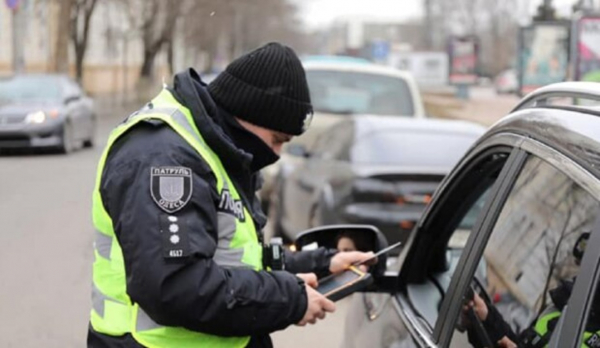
(47, 246)
(46, 256)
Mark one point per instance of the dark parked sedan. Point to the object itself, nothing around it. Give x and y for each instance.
(45, 111)
(370, 170)
(530, 261)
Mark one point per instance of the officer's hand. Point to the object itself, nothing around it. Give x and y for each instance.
(341, 261)
(318, 305)
(309, 279)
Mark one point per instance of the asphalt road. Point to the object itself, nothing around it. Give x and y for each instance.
(46, 251)
(46, 242)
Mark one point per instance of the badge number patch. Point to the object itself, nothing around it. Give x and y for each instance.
(171, 187)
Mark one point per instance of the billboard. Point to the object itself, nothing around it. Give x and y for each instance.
(587, 49)
(543, 55)
(463, 54)
(428, 68)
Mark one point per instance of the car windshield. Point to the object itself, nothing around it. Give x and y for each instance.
(29, 88)
(411, 148)
(343, 92)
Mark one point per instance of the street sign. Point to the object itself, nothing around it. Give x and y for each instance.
(380, 50)
(12, 4)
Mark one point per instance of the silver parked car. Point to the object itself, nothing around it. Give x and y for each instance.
(340, 89)
(45, 111)
(378, 170)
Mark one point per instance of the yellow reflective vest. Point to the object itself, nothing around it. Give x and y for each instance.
(113, 312)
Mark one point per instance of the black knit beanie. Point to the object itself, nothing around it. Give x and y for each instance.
(266, 87)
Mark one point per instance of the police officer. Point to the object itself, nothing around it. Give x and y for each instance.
(178, 249)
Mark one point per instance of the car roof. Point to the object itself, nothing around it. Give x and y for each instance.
(356, 67)
(364, 125)
(335, 59)
(572, 131)
(36, 75)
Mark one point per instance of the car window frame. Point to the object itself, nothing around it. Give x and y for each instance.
(501, 143)
(477, 243)
(571, 328)
(508, 142)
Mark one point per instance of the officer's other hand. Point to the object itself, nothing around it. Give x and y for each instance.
(309, 279)
(343, 260)
(318, 305)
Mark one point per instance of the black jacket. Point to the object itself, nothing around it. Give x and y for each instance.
(193, 291)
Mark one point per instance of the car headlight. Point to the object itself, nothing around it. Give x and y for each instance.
(36, 117)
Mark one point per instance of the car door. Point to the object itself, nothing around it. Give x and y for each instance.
(302, 185)
(407, 317)
(526, 247)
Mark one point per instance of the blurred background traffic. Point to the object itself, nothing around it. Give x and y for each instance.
(400, 89)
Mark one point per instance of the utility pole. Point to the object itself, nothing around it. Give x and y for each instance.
(429, 31)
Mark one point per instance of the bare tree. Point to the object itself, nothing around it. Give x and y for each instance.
(81, 14)
(158, 23)
(235, 26)
(60, 61)
(494, 22)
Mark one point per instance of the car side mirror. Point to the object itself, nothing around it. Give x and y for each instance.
(346, 238)
(297, 150)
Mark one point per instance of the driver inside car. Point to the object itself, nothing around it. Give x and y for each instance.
(479, 314)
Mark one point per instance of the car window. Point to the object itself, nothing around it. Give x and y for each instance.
(27, 88)
(344, 92)
(435, 149)
(529, 262)
(434, 256)
(334, 143)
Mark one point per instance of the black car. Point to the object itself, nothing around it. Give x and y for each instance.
(532, 256)
(375, 170)
(45, 111)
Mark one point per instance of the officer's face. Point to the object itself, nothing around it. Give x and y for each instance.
(275, 140)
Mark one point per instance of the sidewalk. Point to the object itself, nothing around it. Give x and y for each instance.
(484, 108)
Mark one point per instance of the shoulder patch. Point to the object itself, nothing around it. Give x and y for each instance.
(171, 187)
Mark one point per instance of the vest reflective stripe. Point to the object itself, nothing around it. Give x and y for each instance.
(103, 244)
(542, 326)
(179, 337)
(225, 256)
(237, 247)
(144, 322)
